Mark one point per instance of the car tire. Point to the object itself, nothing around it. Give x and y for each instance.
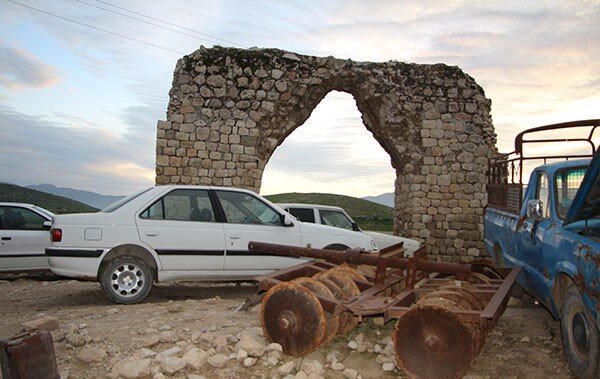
(580, 338)
(126, 280)
(336, 246)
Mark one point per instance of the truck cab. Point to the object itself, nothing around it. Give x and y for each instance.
(551, 229)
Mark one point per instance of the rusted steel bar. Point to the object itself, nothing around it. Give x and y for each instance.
(495, 303)
(358, 256)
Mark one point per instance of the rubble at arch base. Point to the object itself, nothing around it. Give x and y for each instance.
(230, 108)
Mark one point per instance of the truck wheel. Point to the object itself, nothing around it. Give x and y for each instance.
(126, 280)
(580, 339)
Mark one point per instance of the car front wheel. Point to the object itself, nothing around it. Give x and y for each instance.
(580, 339)
(126, 280)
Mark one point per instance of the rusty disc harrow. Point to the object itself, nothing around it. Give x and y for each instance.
(292, 316)
(320, 289)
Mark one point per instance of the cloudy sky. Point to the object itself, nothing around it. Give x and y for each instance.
(83, 82)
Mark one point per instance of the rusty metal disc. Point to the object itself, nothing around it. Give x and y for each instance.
(477, 303)
(351, 272)
(486, 267)
(460, 298)
(292, 316)
(338, 293)
(350, 290)
(432, 342)
(477, 278)
(320, 289)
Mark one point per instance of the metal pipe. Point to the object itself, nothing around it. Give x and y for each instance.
(358, 256)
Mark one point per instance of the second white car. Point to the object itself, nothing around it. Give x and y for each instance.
(182, 232)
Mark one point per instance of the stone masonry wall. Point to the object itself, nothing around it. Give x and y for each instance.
(229, 109)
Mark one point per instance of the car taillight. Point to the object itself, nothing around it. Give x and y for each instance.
(56, 235)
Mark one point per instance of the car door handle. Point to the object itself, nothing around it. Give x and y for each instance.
(6, 238)
(235, 237)
(152, 234)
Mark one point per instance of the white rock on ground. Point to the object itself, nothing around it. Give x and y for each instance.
(89, 354)
(350, 373)
(389, 366)
(337, 366)
(312, 366)
(286, 368)
(254, 345)
(249, 362)
(218, 360)
(145, 353)
(172, 364)
(132, 368)
(195, 358)
(48, 323)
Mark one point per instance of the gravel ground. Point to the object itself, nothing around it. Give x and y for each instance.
(194, 330)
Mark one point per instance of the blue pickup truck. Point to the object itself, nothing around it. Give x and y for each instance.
(551, 229)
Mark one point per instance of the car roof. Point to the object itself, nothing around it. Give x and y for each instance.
(302, 205)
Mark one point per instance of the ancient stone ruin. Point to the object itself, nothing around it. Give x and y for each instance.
(229, 109)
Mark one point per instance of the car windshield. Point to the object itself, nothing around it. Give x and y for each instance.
(43, 211)
(567, 184)
(114, 206)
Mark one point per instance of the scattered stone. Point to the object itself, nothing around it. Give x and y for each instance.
(388, 366)
(353, 345)
(145, 353)
(242, 354)
(151, 340)
(132, 368)
(337, 366)
(113, 311)
(172, 364)
(286, 368)
(48, 323)
(176, 350)
(196, 358)
(89, 354)
(165, 327)
(194, 376)
(274, 347)
(75, 339)
(175, 308)
(332, 356)
(83, 325)
(218, 360)
(350, 373)
(312, 366)
(253, 344)
(167, 336)
(301, 375)
(525, 339)
(249, 362)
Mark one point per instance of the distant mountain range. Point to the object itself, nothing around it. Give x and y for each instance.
(93, 199)
(384, 198)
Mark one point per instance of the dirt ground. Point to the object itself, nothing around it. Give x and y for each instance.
(524, 344)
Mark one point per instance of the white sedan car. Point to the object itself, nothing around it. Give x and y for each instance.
(182, 232)
(23, 237)
(339, 218)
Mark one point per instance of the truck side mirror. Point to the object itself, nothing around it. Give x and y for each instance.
(535, 209)
(286, 220)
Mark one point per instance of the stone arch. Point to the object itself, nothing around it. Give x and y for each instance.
(230, 109)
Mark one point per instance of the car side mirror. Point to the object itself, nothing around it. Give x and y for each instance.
(535, 209)
(355, 227)
(47, 224)
(287, 220)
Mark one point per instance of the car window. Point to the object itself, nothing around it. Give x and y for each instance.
(243, 208)
(15, 218)
(182, 205)
(118, 204)
(543, 193)
(567, 184)
(335, 218)
(303, 214)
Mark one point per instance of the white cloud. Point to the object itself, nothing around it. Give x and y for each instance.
(20, 69)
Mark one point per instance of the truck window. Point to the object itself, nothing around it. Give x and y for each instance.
(567, 184)
(543, 193)
(303, 214)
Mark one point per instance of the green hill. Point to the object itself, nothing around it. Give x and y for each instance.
(368, 215)
(56, 204)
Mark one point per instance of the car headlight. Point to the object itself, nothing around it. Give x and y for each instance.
(373, 245)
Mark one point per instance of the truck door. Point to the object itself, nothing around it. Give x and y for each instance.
(531, 236)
